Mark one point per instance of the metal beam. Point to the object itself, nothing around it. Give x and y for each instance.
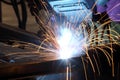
(11, 71)
(8, 32)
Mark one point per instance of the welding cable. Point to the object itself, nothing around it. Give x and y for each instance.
(15, 7)
(21, 21)
(24, 14)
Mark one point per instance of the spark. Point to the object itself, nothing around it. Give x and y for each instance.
(67, 41)
(69, 44)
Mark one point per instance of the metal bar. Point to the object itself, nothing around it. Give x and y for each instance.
(23, 70)
(8, 32)
(10, 71)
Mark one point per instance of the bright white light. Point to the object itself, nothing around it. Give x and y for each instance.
(69, 44)
(63, 42)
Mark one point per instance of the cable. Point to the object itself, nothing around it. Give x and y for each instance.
(22, 19)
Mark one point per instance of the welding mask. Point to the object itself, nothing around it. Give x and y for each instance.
(73, 11)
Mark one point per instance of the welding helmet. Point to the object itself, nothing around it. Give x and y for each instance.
(73, 11)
